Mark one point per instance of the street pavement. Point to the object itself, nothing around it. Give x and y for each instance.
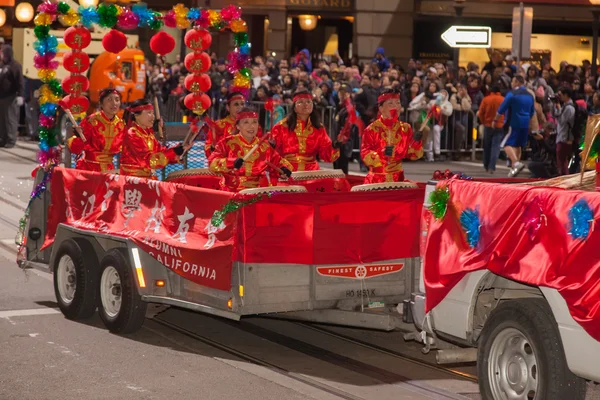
(45, 356)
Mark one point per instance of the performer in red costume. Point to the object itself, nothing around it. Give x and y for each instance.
(251, 172)
(142, 153)
(387, 141)
(300, 136)
(225, 126)
(103, 132)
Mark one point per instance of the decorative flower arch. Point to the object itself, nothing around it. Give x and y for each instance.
(68, 93)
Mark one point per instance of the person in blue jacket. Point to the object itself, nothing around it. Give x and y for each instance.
(381, 60)
(518, 105)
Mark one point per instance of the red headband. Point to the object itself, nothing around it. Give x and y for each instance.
(111, 91)
(302, 96)
(244, 115)
(235, 97)
(388, 96)
(148, 107)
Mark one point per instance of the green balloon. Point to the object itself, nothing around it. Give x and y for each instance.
(41, 31)
(246, 72)
(63, 7)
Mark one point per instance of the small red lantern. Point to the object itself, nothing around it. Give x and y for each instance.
(77, 104)
(114, 41)
(198, 83)
(198, 39)
(197, 63)
(77, 38)
(75, 84)
(198, 103)
(162, 43)
(76, 62)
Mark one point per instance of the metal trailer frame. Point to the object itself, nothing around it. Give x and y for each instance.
(288, 290)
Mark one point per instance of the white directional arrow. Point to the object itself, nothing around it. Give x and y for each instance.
(468, 36)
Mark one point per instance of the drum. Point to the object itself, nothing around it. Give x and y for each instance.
(198, 177)
(324, 180)
(385, 186)
(271, 189)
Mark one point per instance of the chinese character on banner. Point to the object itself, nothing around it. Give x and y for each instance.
(184, 227)
(154, 223)
(131, 204)
(107, 196)
(211, 230)
(89, 205)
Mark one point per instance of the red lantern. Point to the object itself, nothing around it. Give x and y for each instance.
(77, 104)
(76, 62)
(114, 41)
(197, 63)
(198, 103)
(198, 39)
(162, 43)
(77, 38)
(198, 83)
(75, 84)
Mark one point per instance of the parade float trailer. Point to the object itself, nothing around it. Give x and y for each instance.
(510, 280)
(117, 243)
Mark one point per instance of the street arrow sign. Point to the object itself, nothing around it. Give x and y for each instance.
(468, 37)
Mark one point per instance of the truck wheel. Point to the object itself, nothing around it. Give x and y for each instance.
(76, 279)
(120, 305)
(521, 355)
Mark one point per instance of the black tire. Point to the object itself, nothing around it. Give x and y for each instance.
(532, 318)
(83, 304)
(132, 312)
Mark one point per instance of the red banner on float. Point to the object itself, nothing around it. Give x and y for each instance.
(542, 253)
(171, 222)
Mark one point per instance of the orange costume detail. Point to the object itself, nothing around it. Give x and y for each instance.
(142, 153)
(104, 138)
(301, 146)
(252, 174)
(376, 137)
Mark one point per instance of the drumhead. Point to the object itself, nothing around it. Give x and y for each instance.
(189, 172)
(319, 174)
(271, 189)
(384, 186)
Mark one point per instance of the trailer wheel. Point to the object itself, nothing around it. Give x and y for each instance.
(120, 305)
(76, 279)
(521, 355)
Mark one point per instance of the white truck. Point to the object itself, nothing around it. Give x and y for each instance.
(523, 338)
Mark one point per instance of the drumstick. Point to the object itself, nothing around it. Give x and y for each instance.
(161, 134)
(73, 122)
(275, 167)
(252, 150)
(189, 146)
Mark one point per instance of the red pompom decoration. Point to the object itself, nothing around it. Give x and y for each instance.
(162, 43)
(198, 39)
(76, 62)
(197, 63)
(77, 104)
(114, 41)
(198, 83)
(77, 38)
(198, 103)
(75, 84)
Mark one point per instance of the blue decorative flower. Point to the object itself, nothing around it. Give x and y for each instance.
(469, 220)
(89, 16)
(193, 14)
(580, 218)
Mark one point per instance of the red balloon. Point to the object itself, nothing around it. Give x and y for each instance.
(114, 41)
(197, 63)
(162, 43)
(198, 103)
(198, 83)
(198, 39)
(77, 104)
(77, 38)
(76, 62)
(75, 84)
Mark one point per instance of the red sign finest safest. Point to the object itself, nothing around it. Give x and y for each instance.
(360, 271)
